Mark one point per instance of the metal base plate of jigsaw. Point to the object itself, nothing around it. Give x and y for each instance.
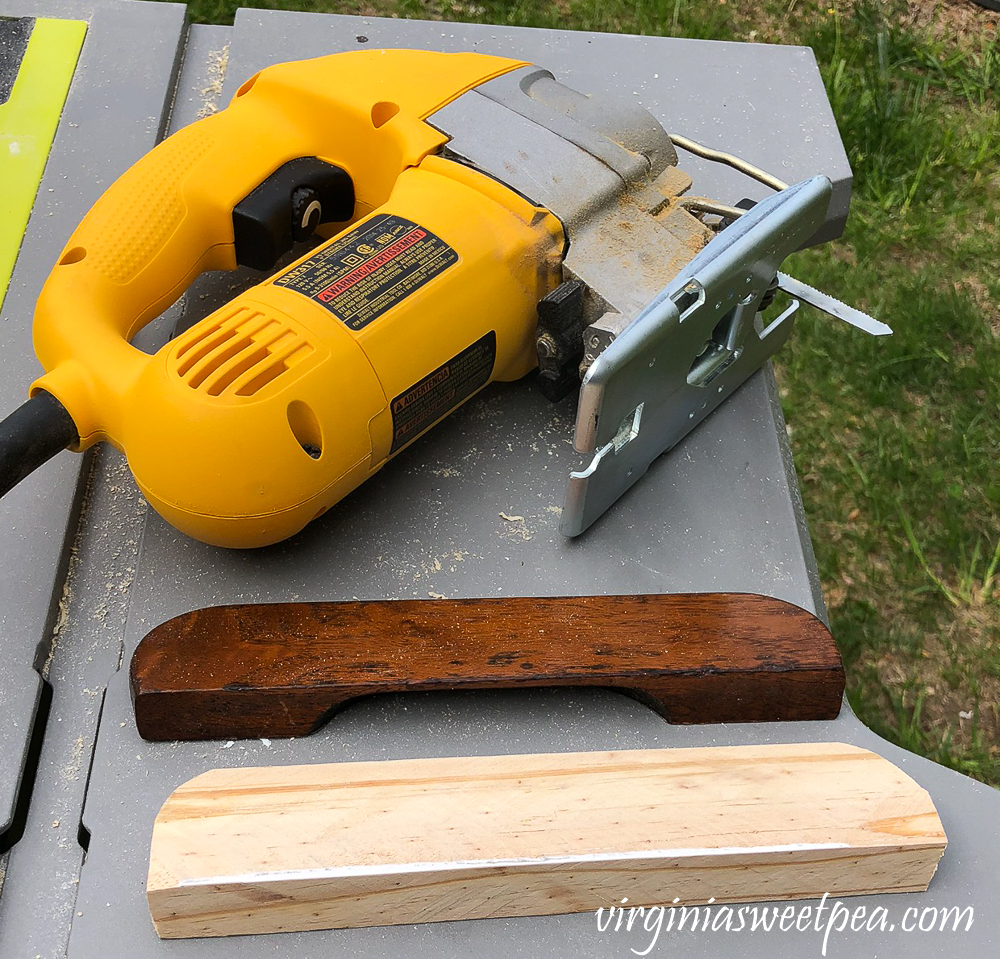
(687, 350)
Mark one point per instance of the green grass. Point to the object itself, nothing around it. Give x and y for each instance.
(658, 17)
(896, 439)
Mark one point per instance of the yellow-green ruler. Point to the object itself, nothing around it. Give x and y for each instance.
(38, 60)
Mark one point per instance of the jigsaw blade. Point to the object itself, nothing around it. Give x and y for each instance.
(832, 306)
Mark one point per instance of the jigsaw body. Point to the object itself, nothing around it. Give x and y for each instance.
(479, 219)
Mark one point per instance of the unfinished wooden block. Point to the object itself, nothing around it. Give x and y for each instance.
(285, 848)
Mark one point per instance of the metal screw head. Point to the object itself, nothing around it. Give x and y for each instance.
(546, 346)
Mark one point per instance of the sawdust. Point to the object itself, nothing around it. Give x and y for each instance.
(62, 618)
(218, 61)
(70, 772)
(447, 560)
(515, 528)
(66, 596)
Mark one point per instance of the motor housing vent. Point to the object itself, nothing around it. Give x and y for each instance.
(238, 353)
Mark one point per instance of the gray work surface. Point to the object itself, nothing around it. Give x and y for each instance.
(721, 512)
(113, 114)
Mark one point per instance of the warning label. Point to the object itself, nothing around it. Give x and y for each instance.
(440, 392)
(370, 269)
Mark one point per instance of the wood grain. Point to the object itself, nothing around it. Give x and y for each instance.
(233, 672)
(272, 849)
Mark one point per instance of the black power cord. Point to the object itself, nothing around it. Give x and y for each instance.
(32, 435)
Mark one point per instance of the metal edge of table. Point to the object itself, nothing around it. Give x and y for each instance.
(38, 519)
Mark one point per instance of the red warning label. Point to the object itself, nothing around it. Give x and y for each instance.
(370, 269)
(438, 393)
